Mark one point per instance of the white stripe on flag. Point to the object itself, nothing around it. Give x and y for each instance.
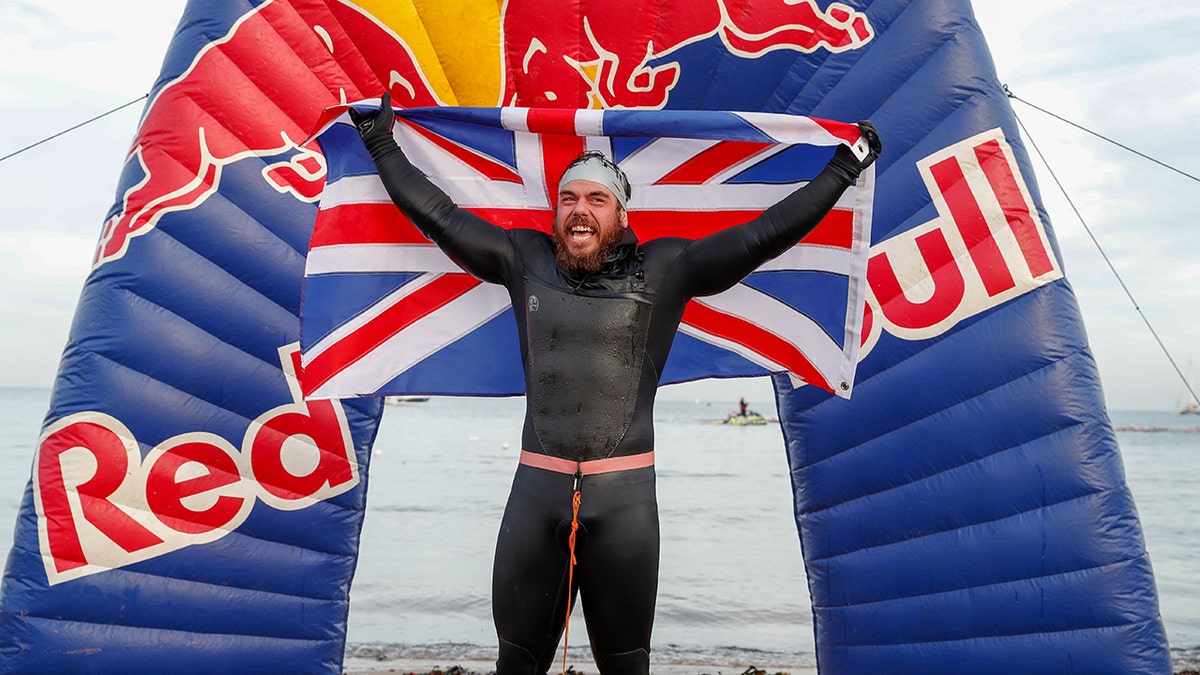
(601, 144)
(365, 317)
(586, 122)
(778, 318)
(514, 119)
(810, 257)
(380, 258)
(364, 189)
(649, 164)
(532, 169)
(458, 179)
(417, 342)
(750, 161)
(681, 198)
(790, 129)
(746, 197)
(589, 122)
(864, 191)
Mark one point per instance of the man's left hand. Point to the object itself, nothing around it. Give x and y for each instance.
(847, 162)
(874, 144)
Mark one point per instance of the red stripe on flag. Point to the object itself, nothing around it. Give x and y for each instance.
(364, 224)
(326, 118)
(385, 224)
(347, 351)
(492, 170)
(835, 230)
(557, 153)
(559, 121)
(843, 130)
(755, 338)
(509, 218)
(687, 224)
(703, 167)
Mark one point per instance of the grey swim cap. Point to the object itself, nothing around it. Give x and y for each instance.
(595, 167)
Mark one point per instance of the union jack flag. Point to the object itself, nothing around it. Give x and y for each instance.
(386, 312)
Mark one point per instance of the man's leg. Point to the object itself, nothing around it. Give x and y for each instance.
(618, 570)
(529, 574)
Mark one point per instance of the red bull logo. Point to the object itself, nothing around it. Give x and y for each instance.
(218, 112)
(615, 54)
(101, 505)
(987, 246)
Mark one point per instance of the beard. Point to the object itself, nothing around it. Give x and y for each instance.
(608, 238)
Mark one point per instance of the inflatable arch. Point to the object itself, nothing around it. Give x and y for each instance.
(964, 511)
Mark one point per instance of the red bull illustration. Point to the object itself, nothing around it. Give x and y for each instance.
(620, 59)
(218, 111)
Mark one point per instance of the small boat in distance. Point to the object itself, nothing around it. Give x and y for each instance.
(405, 400)
(752, 419)
(744, 417)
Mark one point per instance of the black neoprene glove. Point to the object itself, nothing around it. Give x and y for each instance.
(844, 160)
(376, 130)
(423, 203)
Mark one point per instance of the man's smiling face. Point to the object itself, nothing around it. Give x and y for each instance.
(588, 224)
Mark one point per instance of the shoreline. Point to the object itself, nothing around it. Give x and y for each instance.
(1184, 661)
(449, 658)
(453, 666)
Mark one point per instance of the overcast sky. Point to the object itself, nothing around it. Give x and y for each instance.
(1129, 71)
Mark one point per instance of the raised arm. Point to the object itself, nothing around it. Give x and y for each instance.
(715, 263)
(480, 247)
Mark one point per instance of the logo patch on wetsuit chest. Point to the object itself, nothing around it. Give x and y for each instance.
(533, 303)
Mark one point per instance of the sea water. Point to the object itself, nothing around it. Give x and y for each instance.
(732, 578)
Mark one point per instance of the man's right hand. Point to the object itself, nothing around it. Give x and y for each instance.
(376, 129)
(373, 125)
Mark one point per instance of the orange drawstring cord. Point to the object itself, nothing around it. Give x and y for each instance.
(576, 500)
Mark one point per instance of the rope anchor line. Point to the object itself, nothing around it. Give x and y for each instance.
(1008, 92)
(68, 130)
(1137, 307)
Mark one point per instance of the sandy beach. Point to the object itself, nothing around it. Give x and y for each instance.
(360, 666)
(666, 659)
(1184, 662)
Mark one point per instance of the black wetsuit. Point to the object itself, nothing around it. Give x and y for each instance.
(593, 347)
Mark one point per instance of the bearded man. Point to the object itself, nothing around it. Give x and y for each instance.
(596, 312)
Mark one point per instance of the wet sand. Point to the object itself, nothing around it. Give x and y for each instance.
(360, 666)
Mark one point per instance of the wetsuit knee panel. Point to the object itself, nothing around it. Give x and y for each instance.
(514, 659)
(636, 662)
